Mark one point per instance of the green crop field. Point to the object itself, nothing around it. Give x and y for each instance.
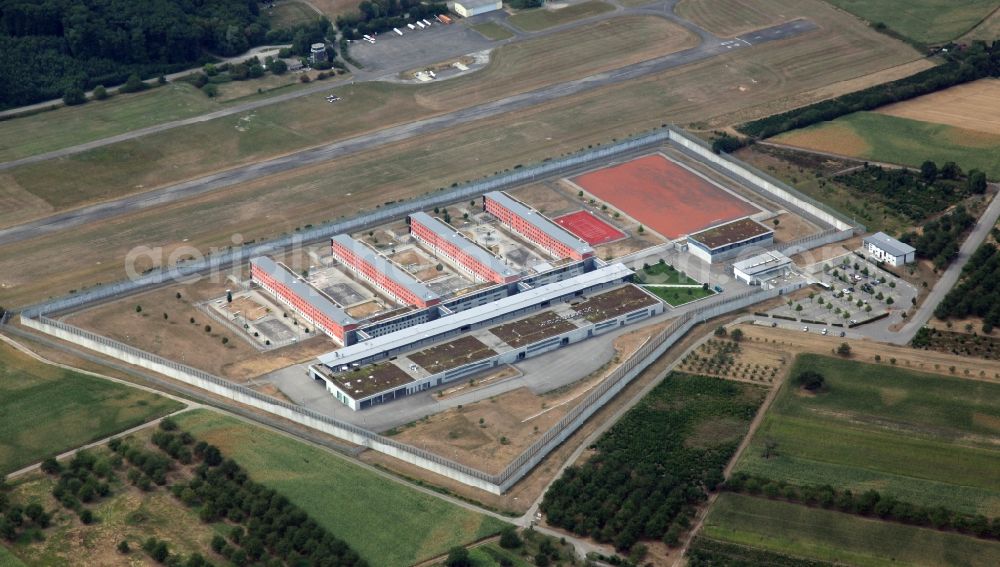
(677, 296)
(880, 137)
(926, 439)
(388, 523)
(542, 18)
(45, 410)
(493, 30)
(925, 21)
(842, 538)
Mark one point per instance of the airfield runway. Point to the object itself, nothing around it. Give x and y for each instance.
(194, 187)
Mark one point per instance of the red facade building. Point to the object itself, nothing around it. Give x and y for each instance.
(446, 241)
(382, 273)
(533, 226)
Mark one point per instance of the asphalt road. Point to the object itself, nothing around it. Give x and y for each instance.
(191, 188)
(950, 277)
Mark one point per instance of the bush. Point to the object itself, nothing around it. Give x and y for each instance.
(458, 557)
(133, 85)
(74, 96)
(211, 90)
(100, 93)
(811, 380)
(509, 538)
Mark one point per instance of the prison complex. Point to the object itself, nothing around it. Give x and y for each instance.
(444, 240)
(381, 272)
(533, 226)
(312, 304)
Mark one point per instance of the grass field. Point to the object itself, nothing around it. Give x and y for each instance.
(45, 410)
(677, 296)
(747, 83)
(8, 560)
(68, 126)
(665, 274)
(926, 439)
(988, 30)
(729, 18)
(879, 137)
(386, 522)
(493, 30)
(925, 21)
(290, 13)
(542, 18)
(845, 539)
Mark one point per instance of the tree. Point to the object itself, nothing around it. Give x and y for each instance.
(133, 85)
(123, 547)
(641, 229)
(509, 538)
(720, 331)
(929, 171)
(458, 557)
(100, 93)
(726, 143)
(211, 90)
(976, 182)
(279, 67)
(736, 335)
(138, 308)
(950, 170)
(776, 222)
(74, 96)
(844, 349)
(229, 296)
(810, 380)
(51, 466)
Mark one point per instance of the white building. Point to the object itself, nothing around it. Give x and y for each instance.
(884, 248)
(469, 8)
(766, 266)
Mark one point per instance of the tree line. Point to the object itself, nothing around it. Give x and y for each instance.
(870, 503)
(978, 293)
(647, 477)
(377, 16)
(963, 65)
(50, 46)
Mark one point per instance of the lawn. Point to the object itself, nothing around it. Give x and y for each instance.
(388, 523)
(542, 18)
(665, 274)
(68, 126)
(677, 296)
(873, 136)
(493, 30)
(842, 538)
(45, 410)
(924, 21)
(290, 13)
(926, 439)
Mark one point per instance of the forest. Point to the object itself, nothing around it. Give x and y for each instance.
(655, 465)
(915, 195)
(941, 238)
(49, 47)
(978, 292)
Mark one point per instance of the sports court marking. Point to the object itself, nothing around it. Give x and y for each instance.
(664, 195)
(591, 229)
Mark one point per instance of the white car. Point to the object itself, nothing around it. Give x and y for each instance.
(805, 329)
(824, 331)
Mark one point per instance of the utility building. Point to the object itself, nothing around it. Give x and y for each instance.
(729, 240)
(533, 226)
(469, 8)
(381, 272)
(444, 240)
(759, 269)
(884, 248)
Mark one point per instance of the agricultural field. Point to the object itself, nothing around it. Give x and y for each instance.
(922, 438)
(311, 195)
(988, 30)
(826, 535)
(970, 106)
(387, 522)
(493, 30)
(880, 137)
(653, 467)
(174, 155)
(923, 21)
(728, 18)
(290, 13)
(547, 17)
(45, 410)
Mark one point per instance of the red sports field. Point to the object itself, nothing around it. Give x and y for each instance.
(590, 228)
(664, 196)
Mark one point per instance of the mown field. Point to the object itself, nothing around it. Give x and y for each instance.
(841, 538)
(290, 13)
(925, 21)
(493, 30)
(542, 18)
(45, 410)
(729, 18)
(177, 154)
(879, 137)
(744, 83)
(925, 439)
(387, 522)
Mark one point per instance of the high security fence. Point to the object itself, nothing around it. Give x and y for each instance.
(497, 484)
(34, 317)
